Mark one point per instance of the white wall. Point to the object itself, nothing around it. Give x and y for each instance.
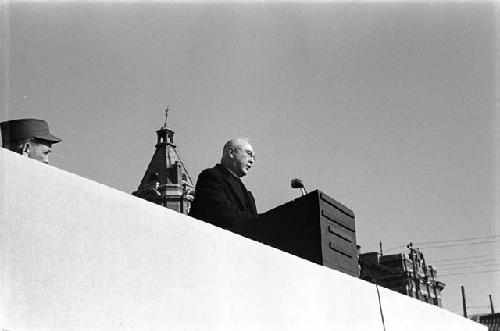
(77, 255)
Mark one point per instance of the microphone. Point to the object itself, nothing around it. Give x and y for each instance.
(297, 183)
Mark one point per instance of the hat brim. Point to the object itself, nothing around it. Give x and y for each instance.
(47, 136)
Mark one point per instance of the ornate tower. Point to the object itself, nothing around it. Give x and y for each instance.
(166, 181)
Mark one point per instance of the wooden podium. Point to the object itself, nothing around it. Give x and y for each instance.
(314, 227)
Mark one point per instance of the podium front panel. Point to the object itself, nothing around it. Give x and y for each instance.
(314, 227)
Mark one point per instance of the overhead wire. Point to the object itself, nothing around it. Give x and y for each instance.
(451, 240)
(432, 243)
(470, 266)
(463, 258)
(461, 263)
(469, 273)
(457, 245)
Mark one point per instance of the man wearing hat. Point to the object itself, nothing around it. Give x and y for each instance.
(30, 137)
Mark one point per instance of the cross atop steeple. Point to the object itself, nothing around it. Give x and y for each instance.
(165, 134)
(166, 116)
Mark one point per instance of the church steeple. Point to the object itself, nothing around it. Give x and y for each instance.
(167, 181)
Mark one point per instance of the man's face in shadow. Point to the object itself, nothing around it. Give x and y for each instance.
(38, 150)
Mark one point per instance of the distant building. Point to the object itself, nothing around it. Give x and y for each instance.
(167, 181)
(404, 273)
(492, 321)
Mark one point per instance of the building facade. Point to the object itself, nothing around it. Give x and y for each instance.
(492, 321)
(407, 274)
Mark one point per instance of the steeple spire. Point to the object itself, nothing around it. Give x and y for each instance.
(165, 135)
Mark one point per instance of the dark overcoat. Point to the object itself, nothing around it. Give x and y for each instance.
(222, 199)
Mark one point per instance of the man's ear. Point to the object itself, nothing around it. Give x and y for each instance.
(26, 148)
(231, 152)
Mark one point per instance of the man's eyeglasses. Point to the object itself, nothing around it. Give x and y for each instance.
(248, 152)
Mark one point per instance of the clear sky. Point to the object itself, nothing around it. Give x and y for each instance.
(387, 107)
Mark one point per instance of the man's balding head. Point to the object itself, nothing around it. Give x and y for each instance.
(238, 156)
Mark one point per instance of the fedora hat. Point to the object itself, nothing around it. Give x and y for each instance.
(14, 130)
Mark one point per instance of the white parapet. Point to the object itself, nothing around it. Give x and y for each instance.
(78, 255)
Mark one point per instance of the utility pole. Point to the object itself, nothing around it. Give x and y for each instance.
(463, 302)
(380, 244)
(491, 305)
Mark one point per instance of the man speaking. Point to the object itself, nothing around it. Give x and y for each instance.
(220, 196)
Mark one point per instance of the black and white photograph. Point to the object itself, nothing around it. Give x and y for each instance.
(249, 165)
